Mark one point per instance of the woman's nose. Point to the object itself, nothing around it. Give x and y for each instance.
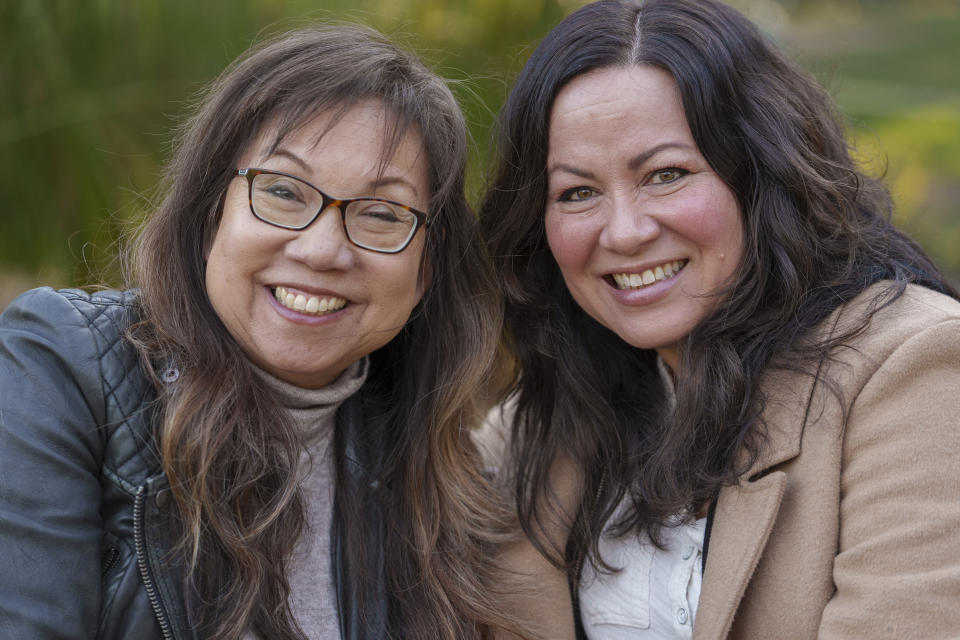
(323, 245)
(628, 226)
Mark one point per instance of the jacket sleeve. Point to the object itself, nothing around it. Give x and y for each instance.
(51, 447)
(539, 596)
(897, 570)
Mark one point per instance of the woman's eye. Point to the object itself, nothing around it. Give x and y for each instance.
(666, 176)
(577, 194)
(283, 192)
(382, 213)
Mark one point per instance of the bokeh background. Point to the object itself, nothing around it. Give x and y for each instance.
(90, 92)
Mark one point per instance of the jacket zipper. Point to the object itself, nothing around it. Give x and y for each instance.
(145, 575)
(111, 559)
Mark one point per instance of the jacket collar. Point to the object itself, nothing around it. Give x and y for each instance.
(789, 406)
(745, 514)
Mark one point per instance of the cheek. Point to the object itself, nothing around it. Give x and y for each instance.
(223, 236)
(231, 253)
(216, 269)
(423, 267)
(226, 204)
(571, 241)
(715, 225)
(396, 285)
(727, 235)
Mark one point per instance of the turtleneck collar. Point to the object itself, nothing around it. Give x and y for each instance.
(312, 410)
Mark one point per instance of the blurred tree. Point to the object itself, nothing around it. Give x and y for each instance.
(90, 92)
(892, 67)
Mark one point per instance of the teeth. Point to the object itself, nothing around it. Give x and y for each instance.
(308, 304)
(649, 276)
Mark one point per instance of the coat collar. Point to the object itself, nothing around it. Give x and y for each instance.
(789, 407)
(745, 513)
(735, 550)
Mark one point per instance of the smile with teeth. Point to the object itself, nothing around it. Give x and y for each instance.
(308, 304)
(649, 276)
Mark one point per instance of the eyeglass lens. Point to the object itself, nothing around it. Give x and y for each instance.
(370, 223)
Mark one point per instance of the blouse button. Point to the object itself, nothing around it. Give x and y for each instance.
(682, 615)
(687, 552)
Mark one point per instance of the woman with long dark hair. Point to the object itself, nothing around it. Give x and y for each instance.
(267, 438)
(748, 376)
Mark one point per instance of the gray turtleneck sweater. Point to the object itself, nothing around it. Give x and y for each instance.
(312, 595)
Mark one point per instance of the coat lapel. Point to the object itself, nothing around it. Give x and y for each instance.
(746, 513)
(742, 523)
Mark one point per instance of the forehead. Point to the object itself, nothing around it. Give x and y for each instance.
(366, 130)
(632, 97)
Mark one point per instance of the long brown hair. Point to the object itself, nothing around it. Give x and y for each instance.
(817, 233)
(231, 459)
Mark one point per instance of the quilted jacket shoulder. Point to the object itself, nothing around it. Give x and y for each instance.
(81, 494)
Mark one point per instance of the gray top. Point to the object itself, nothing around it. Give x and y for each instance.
(312, 596)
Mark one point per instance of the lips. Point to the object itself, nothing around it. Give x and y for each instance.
(309, 304)
(647, 277)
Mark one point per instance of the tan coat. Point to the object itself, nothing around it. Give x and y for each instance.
(850, 532)
(836, 532)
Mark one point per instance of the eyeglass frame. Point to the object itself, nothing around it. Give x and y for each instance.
(341, 205)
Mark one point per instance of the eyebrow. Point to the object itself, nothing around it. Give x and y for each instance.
(289, 155)
(381, 181)
(633, 163)
(640, 159)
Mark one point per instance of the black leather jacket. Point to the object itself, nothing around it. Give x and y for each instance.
(84, 507)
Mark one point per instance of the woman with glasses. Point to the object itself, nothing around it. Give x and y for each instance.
(736, 405)
(267, 437)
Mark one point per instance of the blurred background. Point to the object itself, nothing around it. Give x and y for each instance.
(90, 92)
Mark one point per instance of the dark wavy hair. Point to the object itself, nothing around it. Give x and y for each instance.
(231, 459)
(817, 233)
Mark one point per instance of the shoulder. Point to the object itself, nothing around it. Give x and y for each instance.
(46, 309)
(73, 342)
(71, 326)
(898, 480)
(911, 343)
(899, 334)
(896, 373)
(903, 349)
(916, 309)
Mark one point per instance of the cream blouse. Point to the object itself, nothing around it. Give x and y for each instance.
(655, 592)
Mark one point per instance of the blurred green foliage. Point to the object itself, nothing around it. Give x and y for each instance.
(90, 91)
(893, 68)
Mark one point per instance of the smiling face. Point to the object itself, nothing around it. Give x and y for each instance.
(641, 227)
(305, 305)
